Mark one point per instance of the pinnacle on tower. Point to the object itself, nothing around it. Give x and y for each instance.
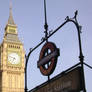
(10, 20)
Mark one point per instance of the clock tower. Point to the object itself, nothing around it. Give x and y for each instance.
(11, 59)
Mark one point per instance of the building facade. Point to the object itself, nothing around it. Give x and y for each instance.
(12, 56)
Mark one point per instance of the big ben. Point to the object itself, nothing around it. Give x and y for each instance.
(12, 56)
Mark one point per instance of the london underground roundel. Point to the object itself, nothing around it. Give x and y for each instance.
(48, 58)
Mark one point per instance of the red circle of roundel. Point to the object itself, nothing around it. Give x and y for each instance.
(52, 47)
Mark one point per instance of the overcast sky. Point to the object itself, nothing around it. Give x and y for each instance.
(29, 17)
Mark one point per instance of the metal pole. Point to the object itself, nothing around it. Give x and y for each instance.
(46, 29)
(26, 89)
(81, 57)
(87, 65)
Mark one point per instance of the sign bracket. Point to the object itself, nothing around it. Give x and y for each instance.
(47, 36)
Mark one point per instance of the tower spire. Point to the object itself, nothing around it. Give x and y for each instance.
(10, 20)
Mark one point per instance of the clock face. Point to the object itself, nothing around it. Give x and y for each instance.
(14, 58)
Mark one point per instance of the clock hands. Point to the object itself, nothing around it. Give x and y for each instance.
(13, 58)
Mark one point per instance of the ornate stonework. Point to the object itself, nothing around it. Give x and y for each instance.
(11, 59)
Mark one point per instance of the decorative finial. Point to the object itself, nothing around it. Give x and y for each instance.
(10, 20)
(10, 5)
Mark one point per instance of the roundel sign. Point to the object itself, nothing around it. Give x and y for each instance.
(48, 58)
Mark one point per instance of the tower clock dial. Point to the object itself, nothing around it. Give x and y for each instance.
(14, 58)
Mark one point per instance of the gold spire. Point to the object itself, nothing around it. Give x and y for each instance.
(10, 20)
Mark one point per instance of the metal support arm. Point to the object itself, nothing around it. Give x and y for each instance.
(81, 57)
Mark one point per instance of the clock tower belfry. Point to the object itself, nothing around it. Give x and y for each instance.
(12, 56)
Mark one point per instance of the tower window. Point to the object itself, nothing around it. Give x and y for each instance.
(14, 46)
